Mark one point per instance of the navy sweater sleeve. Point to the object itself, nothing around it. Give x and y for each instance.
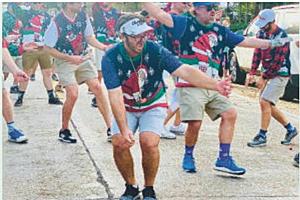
(109, 71)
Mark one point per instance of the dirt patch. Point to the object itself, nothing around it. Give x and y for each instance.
(253, 93)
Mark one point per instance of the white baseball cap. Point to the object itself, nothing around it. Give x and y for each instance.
(134, 27)
(264, 17)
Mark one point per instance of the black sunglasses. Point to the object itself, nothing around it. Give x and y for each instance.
(212, 7)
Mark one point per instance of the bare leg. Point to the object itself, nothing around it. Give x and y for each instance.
(71, 97)
(170, 114)
(47, 73)
(24, 84)
(123, 159)
(227, 124)
(7, 110)
(279, 116)
(265, 108)
(192, 132)
(102, 102)
(150, 156)
(177, 120)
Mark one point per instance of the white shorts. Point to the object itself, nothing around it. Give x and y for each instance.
(98, 58)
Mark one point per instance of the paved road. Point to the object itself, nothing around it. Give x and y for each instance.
(46, 169)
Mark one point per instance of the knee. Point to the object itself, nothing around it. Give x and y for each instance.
(118, 144)
(194, 126)
(149, 146)
(95, 87)
(230, 115)
(264, 104)
(72, 94)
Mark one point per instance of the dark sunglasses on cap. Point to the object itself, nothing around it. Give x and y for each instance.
(212, 7)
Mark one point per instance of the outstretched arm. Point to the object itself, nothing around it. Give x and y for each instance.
(255, 43)
(201, 80)
(18, 74)
(162, 16)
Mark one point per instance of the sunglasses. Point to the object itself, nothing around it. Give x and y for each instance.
(212, 7)
(137, 37)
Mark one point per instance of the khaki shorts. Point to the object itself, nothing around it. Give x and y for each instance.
(194, 101)
(70, 74)
(274, 89)
(98, 58)
(40, 56)
(18, 61)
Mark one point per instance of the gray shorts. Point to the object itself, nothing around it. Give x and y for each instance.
(150, 121)
(274, 89)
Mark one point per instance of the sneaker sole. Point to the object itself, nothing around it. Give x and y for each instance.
(287, 143)
(168, 138)
(66, 141)
(177, 132)
(20, 142)
(259, 145)
(190, 171)
(223, 169)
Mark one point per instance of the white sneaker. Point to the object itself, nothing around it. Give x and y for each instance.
(178, 130)
(168, 135)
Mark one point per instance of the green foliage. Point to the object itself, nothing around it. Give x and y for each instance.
(128, 6)
(238, 26)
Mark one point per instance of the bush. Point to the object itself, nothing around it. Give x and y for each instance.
(238, 26)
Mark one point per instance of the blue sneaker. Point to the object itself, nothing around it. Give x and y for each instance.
(258, 141)
(17, 136)
(228, 165)
(188, 164)
(289, 136)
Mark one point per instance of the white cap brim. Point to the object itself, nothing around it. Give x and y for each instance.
(135, 27)
(261, 23)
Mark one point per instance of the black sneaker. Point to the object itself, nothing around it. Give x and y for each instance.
(289, 136)
(14, 89)
(32, 77)
(296, 160)
(149, 194)
(94, 103)
(109, 135)
(55, 100)
(54, 77)
(131, 193)
(19, 102)
(66, 136)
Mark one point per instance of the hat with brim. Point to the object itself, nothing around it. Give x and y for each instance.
(198, 4)
(264, 17)
(134, 27)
